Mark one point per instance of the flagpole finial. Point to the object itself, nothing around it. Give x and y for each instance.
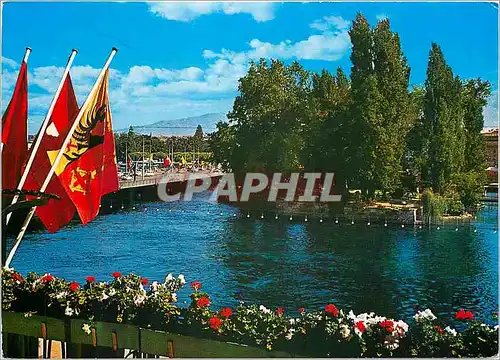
(74, 50)
(28, 48)
(114, 49)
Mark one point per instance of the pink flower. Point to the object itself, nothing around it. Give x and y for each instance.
(90, 279)
(144, 281)
(301, 310)
(117, 274)
(280, 311)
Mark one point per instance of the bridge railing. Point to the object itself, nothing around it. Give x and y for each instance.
(21, 335)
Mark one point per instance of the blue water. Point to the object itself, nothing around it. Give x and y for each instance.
(391, 271)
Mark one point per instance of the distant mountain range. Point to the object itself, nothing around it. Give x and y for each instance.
(179, 127)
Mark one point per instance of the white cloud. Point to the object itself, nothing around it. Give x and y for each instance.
(381, 17)
(490, 111)
(143, 94)
(330, 45)
(330, 21)
(9, 62)
(186, 11)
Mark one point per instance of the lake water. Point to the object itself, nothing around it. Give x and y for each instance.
(392, 271)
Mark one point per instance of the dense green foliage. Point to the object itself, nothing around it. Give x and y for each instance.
(372, 129)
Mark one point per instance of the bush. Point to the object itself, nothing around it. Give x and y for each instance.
(437, 205)
(468, 187)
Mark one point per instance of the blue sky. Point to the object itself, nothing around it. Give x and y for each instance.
(184, 59)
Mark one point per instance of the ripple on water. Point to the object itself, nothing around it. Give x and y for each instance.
(278, 262)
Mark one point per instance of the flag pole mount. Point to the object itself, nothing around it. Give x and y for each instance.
(27, 54)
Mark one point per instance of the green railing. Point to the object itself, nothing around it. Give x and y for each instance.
(20, 337)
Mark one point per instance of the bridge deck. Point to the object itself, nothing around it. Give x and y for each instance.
(171, 177)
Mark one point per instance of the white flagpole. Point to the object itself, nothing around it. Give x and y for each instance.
(41, 132)
(25, 60)
(59, 156)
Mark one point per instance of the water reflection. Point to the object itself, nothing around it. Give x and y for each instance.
(279, 262)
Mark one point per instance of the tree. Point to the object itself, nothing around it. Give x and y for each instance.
(365, 110)
(393, 76)
(199, 132)
(442, 130)
(475, 95)
(269, 117)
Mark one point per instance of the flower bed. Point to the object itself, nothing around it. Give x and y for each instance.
(326, 332)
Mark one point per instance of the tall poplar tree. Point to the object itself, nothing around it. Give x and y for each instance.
(365, 113)
(443, 125)
(393, 76)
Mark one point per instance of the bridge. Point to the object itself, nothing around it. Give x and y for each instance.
(172, 177)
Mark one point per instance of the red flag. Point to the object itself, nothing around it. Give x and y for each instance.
(56, 213)
(88, 167)
(129, 163)
(15, 132)
(166, 162)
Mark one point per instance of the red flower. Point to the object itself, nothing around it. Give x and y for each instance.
(144, 281)
(203, 302)
(301, 310)
(388, 325)
(360, 326)
(90, 279)
(117, 274)
(74, 286)
(17, 276)
(215, 322)
(226, 312)
(280, 311)
(332, 310)
(439, 329)
(464, 315)
(46, 278)
(196, 285)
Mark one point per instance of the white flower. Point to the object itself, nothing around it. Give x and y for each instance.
(424, 315)
(391, 343)
(61, 295)
(86, 328)
(344, 331)
(139, 300)
(264, 309)
(69, 311)
(402, 327)
(154, 285)
(103, 296)
(169, 278)
(181, 279)
(496, 327)
(292, 321)
(112, 292)
(450, 330)
(290, 333)
(174, 297)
